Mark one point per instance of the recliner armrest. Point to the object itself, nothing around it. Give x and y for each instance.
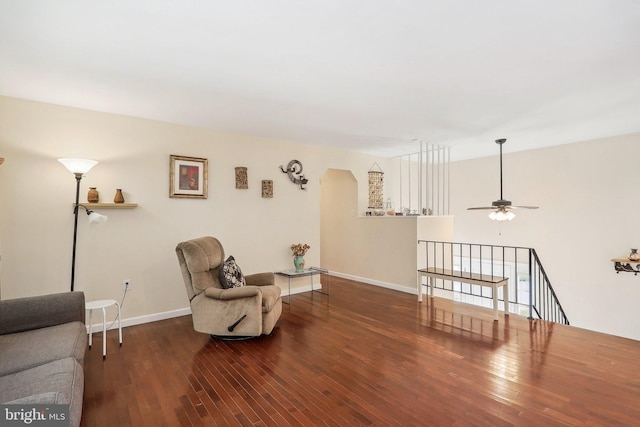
(260, 279)
(232, 293)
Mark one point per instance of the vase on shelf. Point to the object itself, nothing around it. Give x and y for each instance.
(298, 261)
(390, 207)
(634, 255)
(92, 195)
(119, 197)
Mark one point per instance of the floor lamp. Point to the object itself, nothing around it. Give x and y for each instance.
(79, 167)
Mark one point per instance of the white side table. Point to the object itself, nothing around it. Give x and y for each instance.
(103, 304)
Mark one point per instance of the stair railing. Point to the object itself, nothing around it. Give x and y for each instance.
(530, 289)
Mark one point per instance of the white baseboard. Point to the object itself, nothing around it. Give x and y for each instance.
(139, 320)
(300, 289)
(374, 282)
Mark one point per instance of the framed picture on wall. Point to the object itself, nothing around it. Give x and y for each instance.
(188, 177)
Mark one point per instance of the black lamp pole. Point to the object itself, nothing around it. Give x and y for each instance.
(75, 229)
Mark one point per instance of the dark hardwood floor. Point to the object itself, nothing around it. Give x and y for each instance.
(366, 356)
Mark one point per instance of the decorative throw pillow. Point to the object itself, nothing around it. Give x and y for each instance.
(230, 275)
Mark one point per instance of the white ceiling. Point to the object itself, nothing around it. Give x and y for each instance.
(366, 75)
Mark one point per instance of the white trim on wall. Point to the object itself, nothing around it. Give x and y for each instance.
(139, 320)
(155, 317)
(374, 282)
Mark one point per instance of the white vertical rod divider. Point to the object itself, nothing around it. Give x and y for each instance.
(433, 160)
(402, 183)
(444, 180)
(420, 181)
(448, 180)
(425, 178)
(441, 181)
(425, 164)
(434, 180)
(438, 183)
(436, 153)
(410, 194)
(434, 187)
(401, 187)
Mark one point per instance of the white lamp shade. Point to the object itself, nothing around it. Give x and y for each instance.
(78, 165)
(96, 218)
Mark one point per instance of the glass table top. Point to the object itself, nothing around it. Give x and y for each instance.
(305, 272)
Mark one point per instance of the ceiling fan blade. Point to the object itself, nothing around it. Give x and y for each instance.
(482, 208)
(525, 207)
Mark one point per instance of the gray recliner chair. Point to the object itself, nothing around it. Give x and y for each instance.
(240, 312)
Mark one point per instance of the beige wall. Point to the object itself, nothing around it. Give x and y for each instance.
(586, 192)
(37, 192)
(377, 250)
(589, 210)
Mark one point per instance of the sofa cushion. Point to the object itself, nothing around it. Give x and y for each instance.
(61, 380)
(230, 274)
(23, 314)
(27, 349)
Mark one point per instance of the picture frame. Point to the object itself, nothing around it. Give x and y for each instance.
(188, 177)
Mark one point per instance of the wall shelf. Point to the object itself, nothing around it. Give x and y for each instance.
(109, 205)
(625, 264)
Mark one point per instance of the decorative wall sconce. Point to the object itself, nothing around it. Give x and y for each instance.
(294, 171)
(630, 264)
(622, 264)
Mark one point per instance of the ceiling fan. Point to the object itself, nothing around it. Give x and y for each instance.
(502, 208)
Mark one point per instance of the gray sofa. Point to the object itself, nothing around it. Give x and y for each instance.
(42, 344)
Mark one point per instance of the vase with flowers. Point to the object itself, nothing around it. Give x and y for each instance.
(299, 250)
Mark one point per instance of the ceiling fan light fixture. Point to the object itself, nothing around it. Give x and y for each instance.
(501, 208)
(502, 215)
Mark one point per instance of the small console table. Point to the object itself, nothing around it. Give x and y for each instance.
(103, 304)
(312, 271)
(488, 280)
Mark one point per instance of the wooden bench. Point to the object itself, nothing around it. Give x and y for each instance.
(491, 281)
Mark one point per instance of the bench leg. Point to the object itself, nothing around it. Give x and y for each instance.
(505, 293)
(432, 282)
(495, 303)
(419, 287)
